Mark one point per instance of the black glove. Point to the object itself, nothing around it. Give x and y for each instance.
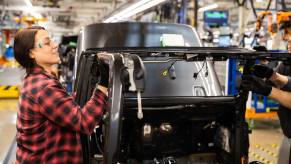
(262, 71)
(104, 73)
(256, 85)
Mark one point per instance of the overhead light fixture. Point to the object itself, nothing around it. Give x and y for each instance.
(209, 7)
(28, 3)
(31, 10)
(133, 9)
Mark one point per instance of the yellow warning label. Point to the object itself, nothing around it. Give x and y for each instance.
(9, 91)
(164, 73)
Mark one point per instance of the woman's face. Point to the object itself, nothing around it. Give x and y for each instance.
(45, 51)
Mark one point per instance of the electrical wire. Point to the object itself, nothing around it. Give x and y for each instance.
(268, 8)
(167, 69)
(195, 75)
(206, 73)
(283, 4)
(240, 4)
(242, 42)
(253, 8)
(172, 64)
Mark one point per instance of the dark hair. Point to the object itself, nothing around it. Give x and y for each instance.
(260, 48)
(23, 43)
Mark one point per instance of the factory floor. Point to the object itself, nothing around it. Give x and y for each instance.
(265, 138)
(265, 141)
(8, 108)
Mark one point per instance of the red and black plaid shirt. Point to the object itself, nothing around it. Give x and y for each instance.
(49, 121)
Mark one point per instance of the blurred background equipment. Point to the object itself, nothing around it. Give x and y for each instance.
(219, 23)
(67, 50)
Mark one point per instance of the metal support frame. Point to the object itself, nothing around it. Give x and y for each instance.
(232, 74)
(241, 130)
(183, 12)
(195, 24)
(241, 21)
(113, 121)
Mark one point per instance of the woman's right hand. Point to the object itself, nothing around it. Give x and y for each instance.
(104, 73)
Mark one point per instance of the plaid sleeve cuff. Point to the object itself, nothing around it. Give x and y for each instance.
(99, 95)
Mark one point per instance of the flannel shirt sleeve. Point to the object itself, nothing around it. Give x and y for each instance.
(59, 107)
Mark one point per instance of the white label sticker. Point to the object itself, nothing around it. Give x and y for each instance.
(168, 40)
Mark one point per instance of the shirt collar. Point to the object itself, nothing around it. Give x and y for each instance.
(35, 70)
(39, 70)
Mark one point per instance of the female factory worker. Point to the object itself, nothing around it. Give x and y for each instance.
(49, 121)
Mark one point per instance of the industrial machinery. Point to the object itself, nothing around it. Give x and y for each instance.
(281, 21)
(284, 23)
(165, 101)
(67, 51)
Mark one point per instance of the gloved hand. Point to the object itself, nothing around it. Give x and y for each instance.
(262, 71)
(104, 73)
(256, 85)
